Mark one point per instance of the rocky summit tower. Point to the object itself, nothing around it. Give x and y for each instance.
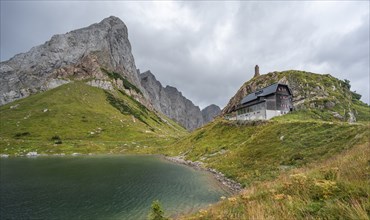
(256, 71)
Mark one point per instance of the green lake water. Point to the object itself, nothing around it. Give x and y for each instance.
(100, 187)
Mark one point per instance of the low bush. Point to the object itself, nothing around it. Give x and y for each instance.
(56, 139)
(22, 134)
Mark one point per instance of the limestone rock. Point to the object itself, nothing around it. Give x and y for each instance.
(171, 102)
(101, 84)
(79, 53)
(53, 83)
(337, 115)
(210, 112)
(351, 118)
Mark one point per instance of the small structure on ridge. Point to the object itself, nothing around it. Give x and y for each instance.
(256, 71)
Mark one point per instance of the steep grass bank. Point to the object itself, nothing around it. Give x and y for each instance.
(337, 188)
(259, 151)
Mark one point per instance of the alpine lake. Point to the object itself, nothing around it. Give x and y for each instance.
(101, 187)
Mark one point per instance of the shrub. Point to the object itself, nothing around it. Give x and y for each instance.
(347, 84)
(22, 134)
(56, 139)
(356, 96)
(125, 82)
(84, 119)
(199, 135)
(124, 108)
(156, 212)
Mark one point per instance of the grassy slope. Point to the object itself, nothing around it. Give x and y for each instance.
(85, 120)
(259, 151)
(362, 111)
(337, 188)
(330, 158)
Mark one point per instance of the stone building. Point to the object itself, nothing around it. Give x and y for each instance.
(271, 101)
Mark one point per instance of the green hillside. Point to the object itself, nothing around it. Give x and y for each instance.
(290, 168)
(310, 163)
(78, 118)
(258, 151)
(336, 188)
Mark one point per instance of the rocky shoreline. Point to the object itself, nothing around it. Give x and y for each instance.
(233, 186)
(35, 154)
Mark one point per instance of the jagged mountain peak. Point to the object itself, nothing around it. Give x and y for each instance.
(109, 23)
(212, 106)
(105, 24)
(210, 112)
(112, 21)
(104, 44)
(172, 89)
(171, 102)
(147, 74)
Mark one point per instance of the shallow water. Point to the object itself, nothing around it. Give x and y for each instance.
(100, 187)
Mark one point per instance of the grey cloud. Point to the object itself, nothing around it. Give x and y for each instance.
(208, 49)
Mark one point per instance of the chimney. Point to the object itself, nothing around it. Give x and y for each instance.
(256, 71)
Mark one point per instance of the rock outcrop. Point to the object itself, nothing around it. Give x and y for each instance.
(171, 102)
(310, 91)
(210, 112)
(106, 85)
(77, 54)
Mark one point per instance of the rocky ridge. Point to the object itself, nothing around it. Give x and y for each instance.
(210, 112)
(173, 104)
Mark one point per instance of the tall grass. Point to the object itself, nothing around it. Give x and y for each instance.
(337, 188)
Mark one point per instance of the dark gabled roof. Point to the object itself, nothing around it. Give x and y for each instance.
(262, 92)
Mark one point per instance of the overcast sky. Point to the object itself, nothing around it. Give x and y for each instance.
(209, 49)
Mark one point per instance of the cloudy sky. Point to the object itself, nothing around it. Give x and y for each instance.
(209, 49)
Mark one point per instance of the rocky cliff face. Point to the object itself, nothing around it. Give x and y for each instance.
(171, 102)
(310, 91)
(210, 112)
(77, 54)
